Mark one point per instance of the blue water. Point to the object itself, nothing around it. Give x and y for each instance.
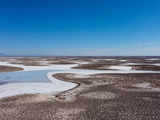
(24, 76)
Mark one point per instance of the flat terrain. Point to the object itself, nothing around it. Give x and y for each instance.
(146, 67)
(107, 96)
(9, 69)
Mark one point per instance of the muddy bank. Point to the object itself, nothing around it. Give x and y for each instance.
(9, 69)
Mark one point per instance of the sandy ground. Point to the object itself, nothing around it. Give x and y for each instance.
(120, 94)
(56, 85)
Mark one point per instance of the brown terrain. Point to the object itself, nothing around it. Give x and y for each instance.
(146, 67)
(9, 69)
(133, 96)
(98, 65)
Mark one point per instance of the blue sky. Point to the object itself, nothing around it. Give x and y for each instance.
(80, 27)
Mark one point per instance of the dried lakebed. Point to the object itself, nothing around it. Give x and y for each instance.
(39, 79)
(17, 83)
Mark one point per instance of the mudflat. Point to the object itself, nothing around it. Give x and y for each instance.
(9, 69)
(101, 96)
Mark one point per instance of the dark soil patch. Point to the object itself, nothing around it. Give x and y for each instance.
(9, 69)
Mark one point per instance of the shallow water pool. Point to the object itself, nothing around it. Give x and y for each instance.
(25, 76)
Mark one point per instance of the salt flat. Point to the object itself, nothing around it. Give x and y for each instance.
(54, 86)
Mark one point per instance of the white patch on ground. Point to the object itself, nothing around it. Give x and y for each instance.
(157, 64)
(32, 68)
(146, 86)
(44, 62)
(143, 85)
(135, 64)
(123, 60)
(108, 59)
(96, 60)
(123, 68)
(25, 88)
(153, 59)
(82, 62)
(56, 85)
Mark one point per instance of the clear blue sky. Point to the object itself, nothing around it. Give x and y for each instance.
(80, 27)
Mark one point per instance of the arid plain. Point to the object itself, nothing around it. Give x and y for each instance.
(106, 88)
